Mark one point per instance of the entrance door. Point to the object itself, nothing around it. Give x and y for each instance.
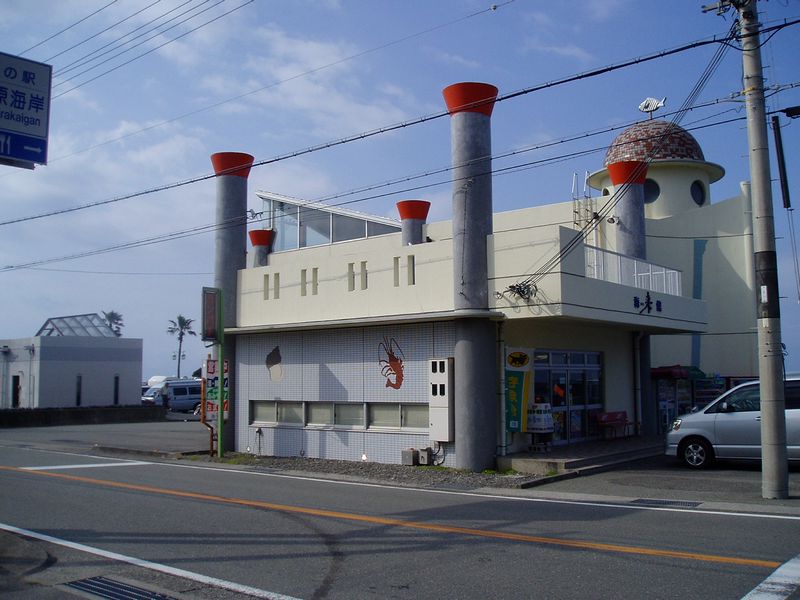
(15, 391)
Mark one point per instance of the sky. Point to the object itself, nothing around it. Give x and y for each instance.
(272, 77)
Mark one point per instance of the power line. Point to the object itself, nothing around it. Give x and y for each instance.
(78, 22)
(253, 217)
(288, 79)
(217, 18)
(101, 32)
(374, 132)
(86, 58)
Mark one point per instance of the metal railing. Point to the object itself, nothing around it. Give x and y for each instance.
(617, 268)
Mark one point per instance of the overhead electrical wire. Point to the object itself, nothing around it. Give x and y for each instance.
(87, 58)
(523, 288)
(101, 32)
(175, 39)
(380, 130)
(256, 217)
(287, 79)
(692, 97)
(78, 22)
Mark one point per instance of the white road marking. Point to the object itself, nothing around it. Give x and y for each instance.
(783, 582)
(145, 564)
(87, 466)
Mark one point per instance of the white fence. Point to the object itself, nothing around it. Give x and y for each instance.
(616, 268)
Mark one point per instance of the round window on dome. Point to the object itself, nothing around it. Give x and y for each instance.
(698, 193)
(651, 191)
(606, 192)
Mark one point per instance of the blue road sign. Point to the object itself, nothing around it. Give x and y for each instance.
(24, 109)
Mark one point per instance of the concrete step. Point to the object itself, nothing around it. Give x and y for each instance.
(544, 465)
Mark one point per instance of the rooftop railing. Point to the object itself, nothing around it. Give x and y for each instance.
(617, 268)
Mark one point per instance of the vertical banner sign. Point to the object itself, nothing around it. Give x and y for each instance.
(211, 329)
(213, 386)
(518, 385)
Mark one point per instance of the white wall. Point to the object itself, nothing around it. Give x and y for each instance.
(729, 347)
(48, 375)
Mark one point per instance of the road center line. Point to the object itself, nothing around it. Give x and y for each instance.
(86, 466)
(484, 533)
(212, 581)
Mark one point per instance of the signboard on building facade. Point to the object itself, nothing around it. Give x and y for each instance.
(24, 110)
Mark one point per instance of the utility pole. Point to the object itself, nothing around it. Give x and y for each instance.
(774, 464)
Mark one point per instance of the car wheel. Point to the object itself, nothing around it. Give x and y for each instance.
(697, 453)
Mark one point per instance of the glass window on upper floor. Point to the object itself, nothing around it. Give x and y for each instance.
(347, 228)
(284, 221)
(315, 227)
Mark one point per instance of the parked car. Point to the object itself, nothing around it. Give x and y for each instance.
(730, 427)
(181, 395)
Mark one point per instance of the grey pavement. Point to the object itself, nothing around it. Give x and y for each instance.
(653, 481)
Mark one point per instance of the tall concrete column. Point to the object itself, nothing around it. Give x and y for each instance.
(412, 215)
(476, 377)
(230, 255)
(628, 178)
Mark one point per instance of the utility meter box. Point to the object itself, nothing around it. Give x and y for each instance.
(425, 456)
(440, 399)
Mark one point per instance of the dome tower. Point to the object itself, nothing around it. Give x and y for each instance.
(678, 175)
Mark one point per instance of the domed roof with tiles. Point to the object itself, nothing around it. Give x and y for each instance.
(654, 140)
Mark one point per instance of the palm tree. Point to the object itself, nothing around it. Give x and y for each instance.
(114, 321)
(182, 326)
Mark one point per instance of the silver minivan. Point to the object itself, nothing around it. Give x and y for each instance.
(730, 427)
(182, 395)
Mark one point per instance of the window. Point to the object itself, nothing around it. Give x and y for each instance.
(412, 270)
(792, 395)
(262, 411)
(698, 191)
(286, 226)
(349, 415)
(315, 227)
(351, 277)
(745, 400)
(651, 191)
(347, 228)
(414, 416)
(396, 262)
(320, 413)
(179, 391)
(290, 412)
(303, 282)
(374, 229)
(384, 415)
(363, 274)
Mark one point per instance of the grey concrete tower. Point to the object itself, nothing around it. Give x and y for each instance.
(475, 356)
(412, 215)
(230, 254)
(628, 178)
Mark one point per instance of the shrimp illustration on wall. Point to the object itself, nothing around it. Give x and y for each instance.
(392, 364)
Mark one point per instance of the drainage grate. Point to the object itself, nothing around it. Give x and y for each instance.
(103, 587)
(657, 502)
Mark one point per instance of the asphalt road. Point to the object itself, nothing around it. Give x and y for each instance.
(204, 530)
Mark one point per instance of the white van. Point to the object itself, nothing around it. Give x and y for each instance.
(180, 395)
(730, 427)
